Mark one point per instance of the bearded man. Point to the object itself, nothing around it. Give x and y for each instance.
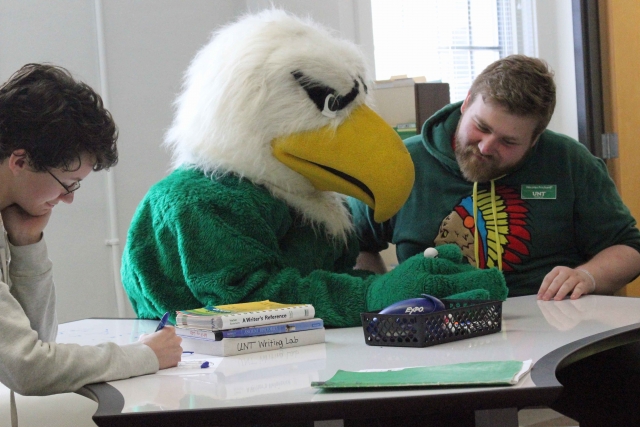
(512, 194)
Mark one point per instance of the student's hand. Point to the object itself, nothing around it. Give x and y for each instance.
(23, 228)
(562, 281)
(166, 345)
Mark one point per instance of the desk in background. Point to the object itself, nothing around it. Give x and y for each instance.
(274, 386)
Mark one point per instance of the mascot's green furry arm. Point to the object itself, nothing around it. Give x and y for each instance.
(271, 131)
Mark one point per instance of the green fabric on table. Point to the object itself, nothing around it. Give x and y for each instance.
(506, 372)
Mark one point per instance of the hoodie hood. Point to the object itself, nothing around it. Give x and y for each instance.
(437, 136)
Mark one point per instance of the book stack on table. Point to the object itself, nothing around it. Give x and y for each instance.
(229, 330)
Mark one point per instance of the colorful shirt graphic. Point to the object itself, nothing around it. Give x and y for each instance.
(506, 234)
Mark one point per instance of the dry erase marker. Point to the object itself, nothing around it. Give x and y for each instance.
(163, 321)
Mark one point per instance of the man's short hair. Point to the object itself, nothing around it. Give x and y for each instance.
(55, 119)
(521, 84)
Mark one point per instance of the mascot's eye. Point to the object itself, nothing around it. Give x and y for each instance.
(326, 99)
(330, 106)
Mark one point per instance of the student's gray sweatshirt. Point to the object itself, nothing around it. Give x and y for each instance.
(31, 363)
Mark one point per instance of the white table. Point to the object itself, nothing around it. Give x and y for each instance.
(275, 385)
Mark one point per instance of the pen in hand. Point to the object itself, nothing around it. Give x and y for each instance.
(163, 321)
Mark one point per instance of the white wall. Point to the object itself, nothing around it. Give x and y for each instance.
(148, 45)
(63, 32)
(555, 45)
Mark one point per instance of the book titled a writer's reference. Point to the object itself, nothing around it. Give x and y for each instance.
(232, 316)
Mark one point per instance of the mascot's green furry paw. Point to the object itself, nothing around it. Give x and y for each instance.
(445, 276)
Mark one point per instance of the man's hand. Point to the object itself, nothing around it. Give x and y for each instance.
(23, 228)
(562, 281)
(166, 345)
(604, 274)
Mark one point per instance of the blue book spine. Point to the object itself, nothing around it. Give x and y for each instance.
(301, 325)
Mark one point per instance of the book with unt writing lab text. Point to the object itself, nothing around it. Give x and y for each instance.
(246, 345)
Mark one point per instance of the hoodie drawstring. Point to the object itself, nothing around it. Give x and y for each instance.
(494, 210)
(475, 225)
(14, 410)
(496, 244)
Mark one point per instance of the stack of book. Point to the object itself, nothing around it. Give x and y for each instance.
(228, 330)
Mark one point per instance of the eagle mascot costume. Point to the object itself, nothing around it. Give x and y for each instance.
(272, 131)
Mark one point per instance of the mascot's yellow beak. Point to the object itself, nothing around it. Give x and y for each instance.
(364, 158)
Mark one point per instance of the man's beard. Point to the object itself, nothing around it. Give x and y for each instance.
(481, 170)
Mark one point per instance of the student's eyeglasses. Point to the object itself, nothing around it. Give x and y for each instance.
(69, 189)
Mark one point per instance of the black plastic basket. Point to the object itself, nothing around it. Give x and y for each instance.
(460, 320)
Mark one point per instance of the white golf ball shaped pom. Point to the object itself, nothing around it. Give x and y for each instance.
(431, 253)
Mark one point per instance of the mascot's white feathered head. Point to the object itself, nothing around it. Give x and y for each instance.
(283, 102)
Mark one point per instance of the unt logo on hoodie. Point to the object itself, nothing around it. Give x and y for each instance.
(504, 234)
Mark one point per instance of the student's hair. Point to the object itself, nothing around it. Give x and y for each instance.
(55, 119)
(521, 84)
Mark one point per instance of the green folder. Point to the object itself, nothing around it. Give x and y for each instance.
(507, 372)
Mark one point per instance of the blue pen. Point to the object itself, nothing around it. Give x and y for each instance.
(163, 321)
(195, 364)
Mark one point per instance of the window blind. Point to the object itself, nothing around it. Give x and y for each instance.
(449, 41)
